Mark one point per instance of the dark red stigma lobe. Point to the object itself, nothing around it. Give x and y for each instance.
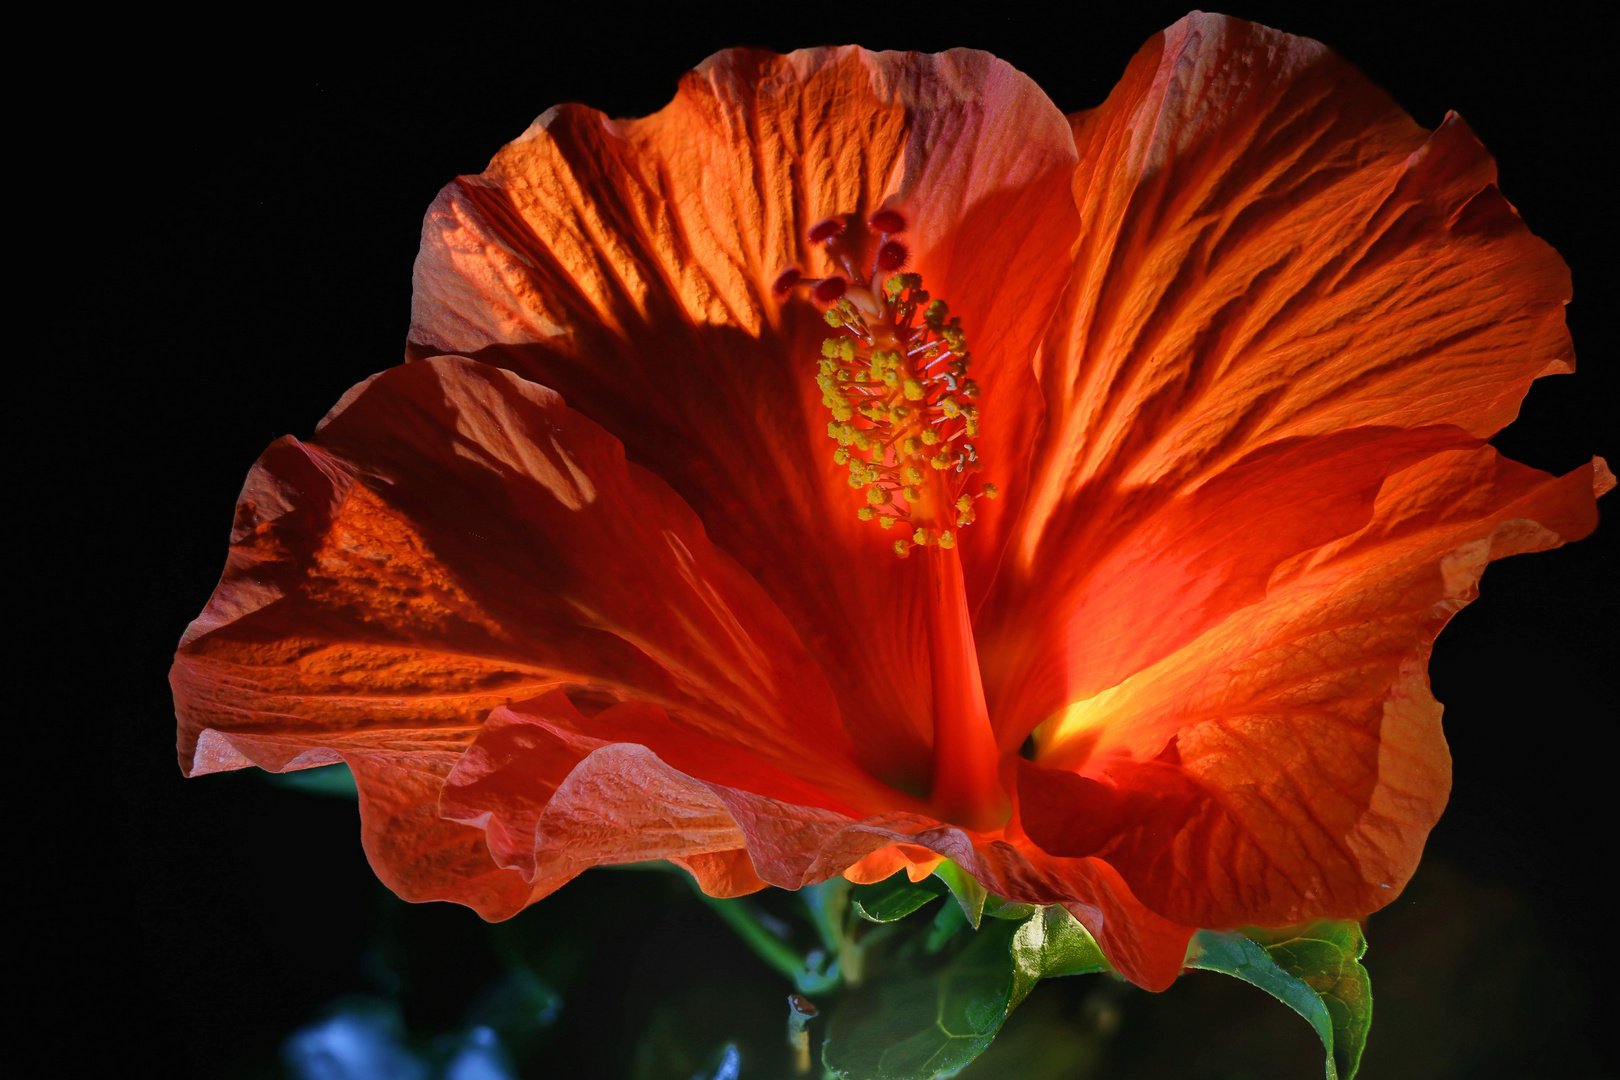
(826, 229)
(829, 289)
(887, 221)
(785, 281)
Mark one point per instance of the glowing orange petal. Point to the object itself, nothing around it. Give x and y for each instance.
(1272, 251)
(1289, 764)
(1165, 569)
(885, 862)
(455, 539)
(628, 265)
(645, 790)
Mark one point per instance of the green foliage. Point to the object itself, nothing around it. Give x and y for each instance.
(920, 1026)
(966, 888)
(1049, 943)
(894, 898)
(1314, 970)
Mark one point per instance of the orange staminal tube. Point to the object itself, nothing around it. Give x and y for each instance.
(965, 789)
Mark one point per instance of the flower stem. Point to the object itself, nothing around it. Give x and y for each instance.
(767, 946)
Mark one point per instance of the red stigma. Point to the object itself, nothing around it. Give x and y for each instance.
(785, 281)
(829, 289)
(892, 255)
(887, 221)
(826, 229)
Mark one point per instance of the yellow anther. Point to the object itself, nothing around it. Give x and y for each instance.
(869, 424)
(989, 491)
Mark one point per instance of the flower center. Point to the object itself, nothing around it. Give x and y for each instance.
(896, 381)
(904, 415)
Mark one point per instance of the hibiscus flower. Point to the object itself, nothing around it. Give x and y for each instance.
(858, 463)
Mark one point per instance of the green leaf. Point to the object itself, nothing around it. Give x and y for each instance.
(1314, 970)
(949, 920)
(893, 898)
(966, 888)
(917, 1027)
(998, 908)
(333, 781)
(1051, 943)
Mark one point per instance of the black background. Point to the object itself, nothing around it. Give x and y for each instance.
(252, 196)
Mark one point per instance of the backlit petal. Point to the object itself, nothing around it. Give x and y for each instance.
(1272, 252)
(654, 798)
(1289, 764)
(628, 265)
(455, 539)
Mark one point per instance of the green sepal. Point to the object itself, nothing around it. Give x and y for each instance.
(920, 1027)
(893, 898)
(999, 908)
(1314, 970)
(967, 890)
(1048, 944)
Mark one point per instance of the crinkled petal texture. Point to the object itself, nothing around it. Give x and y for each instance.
(535, 661)
(628, 265)
(1244, 463)
(1261, 489)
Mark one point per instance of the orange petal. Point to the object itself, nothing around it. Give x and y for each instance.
(1272, 250)
(1289, 764)
(628, 265)
(455, 539)
(1163, 569)
(399, 774)
(642, 790)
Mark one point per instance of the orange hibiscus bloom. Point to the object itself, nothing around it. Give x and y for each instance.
(1227, 347)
